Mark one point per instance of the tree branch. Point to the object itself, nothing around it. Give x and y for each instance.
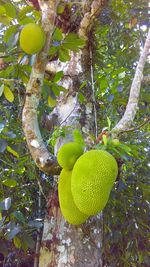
(43, 159)
(138, 127)
(10, 80)
(89, 17)
(132, 105)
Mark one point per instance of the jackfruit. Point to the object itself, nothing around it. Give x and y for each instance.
(68, 154)
(92, 179)
(32, 38)
(68, 208)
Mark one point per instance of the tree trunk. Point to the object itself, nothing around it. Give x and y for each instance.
(64, 244)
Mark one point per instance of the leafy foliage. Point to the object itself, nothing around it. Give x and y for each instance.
(118, 37)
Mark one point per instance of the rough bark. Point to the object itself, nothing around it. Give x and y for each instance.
(43, 159)
(132, 106)
(64, 244)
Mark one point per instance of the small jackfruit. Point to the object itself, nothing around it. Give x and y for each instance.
(92, 179)
(68, 208)
(68, 154)
(32, 38)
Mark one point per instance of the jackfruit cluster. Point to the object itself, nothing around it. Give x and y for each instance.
(85, 182)
(32, 38)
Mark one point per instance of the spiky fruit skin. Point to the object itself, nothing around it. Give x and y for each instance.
(92, 179)
(32, 38)
(68, 154)
(68, 208)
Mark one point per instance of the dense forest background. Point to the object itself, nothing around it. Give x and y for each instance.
(116, 41)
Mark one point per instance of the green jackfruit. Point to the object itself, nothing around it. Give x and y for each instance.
(92, 179)
(68, 208)
(68, 154)
(32, 38)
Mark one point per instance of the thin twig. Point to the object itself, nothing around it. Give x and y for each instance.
(12, 54)
(41, 189)
(10, 80)
(38, 240)
(136, 128)
(69, 114)
(93, 93)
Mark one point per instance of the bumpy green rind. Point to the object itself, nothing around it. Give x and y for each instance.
(32, 38)
(68, 208)
(68, 154)
(92, 179)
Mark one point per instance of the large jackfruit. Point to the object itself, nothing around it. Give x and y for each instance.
(93, 176)
(32, 38)
(68, 154)
(68, 208)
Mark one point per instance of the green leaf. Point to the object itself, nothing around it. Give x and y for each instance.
(12, 151)
(109, 123)
(26, 20)
(9, 32)
(24, 11)
(64, 55)
(1, 89)
(17, 242)
(73, 42)
(103, 83)
(5, 20)
(2, 48)
(2, 125)
(58, 76)
(81, 98)
(51, 101)
(2, 10)
(9, 183)
(12, 233)
(83, 85)
(8, 94)
(57, 36)
(28, 241)
(60, 9)
(56, 89)
(5, 204)
(10, 10)
(53, 50)
(104, 138)
(19, 216)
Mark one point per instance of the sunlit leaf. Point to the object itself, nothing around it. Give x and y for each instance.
(17, 242)
(12, 151)
(8, 94)
(64, 55)
(1, 89)
(58, 76)
(10, 10)
(9, 183)
(5, 204)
